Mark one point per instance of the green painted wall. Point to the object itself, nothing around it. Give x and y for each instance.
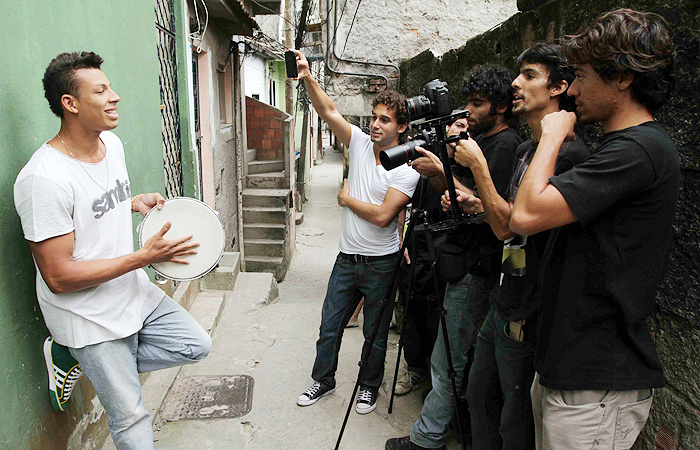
(32, 33)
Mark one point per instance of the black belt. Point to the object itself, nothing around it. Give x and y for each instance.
(366, 259)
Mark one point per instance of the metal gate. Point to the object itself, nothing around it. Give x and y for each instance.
(169, 106)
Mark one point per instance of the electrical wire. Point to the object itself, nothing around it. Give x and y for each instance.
(275, 12)
(347, 36)
(200, 36)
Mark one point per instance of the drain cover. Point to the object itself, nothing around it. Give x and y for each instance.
(209, 397)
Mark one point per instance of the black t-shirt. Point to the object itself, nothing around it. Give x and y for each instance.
(515, 297)
(600, 274)
(499, 151)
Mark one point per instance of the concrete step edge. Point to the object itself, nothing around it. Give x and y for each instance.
(265, 208)
(265, 241)
(263, 225)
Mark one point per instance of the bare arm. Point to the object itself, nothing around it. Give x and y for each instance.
(54, 256)
(497, 210)
(469, 203)
(323, 104)
(539, 205)
(431, 166)
(379, 215)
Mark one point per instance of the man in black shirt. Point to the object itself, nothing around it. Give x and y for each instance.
(466, 298)
(596, 362)
(505, 346)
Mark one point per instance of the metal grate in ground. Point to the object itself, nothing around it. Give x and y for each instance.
(209, 397)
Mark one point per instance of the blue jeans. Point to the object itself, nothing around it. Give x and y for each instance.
(349, 282)
(169, 337)
(465, 304)
(501, 365)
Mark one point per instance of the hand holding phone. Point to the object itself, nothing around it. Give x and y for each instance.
(290, 60)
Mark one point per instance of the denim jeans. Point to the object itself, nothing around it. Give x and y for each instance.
(349, 282)
(169, 337)
(466, 304)
(501, 365)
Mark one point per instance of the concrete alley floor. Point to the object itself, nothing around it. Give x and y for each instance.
(275, 344)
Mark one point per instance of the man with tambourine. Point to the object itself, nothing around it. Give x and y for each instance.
(106, 318)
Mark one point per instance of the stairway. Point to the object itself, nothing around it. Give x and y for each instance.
(267, 218)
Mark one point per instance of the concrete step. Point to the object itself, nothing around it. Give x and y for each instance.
(273, 165)
(269, 264)
(266, 197)
(264, 214)
(250, 155)
(265, 180)
(253, 290)
(207, 309)
(263, 231)
(223, 278)
(264, 247)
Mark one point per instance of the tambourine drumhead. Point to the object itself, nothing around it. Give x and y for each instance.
(187, 216)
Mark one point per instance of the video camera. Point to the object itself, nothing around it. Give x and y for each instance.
(425, 111)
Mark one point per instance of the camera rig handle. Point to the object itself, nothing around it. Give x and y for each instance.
(436, 127)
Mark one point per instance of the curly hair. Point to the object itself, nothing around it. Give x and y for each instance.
(494, 83)
(394, 101)
(627, 41)
(59, 77)
(550, 56)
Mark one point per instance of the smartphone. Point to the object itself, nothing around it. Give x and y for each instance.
(290, 59)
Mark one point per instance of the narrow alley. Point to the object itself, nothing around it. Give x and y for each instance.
(275, 344)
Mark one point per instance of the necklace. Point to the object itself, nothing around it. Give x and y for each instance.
(104, 155)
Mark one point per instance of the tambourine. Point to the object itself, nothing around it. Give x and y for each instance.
(187, 216)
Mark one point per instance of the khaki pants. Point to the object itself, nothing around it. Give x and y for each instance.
(587, 420)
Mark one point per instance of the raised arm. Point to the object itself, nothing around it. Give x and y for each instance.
(323, 104)
(539, 205)
(380, 215)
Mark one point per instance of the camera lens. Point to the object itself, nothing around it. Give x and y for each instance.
(417, 107)
(395, 156)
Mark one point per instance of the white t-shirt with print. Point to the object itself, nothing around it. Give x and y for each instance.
(55, 196)
(369, 183)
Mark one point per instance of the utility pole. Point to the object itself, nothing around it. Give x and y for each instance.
(289, 42)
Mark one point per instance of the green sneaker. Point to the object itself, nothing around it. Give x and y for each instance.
(64, 373)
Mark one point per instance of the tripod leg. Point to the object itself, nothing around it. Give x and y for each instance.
(409, 296)
(388, 297)
(448, 353)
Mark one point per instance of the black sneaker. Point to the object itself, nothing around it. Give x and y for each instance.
(404, 443)
(312, 394)
(366, 402)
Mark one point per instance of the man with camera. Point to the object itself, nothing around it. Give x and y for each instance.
(502, 367)
(372, 199)
(596, 363)
(490, 98)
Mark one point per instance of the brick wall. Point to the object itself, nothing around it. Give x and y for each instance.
(264, 128)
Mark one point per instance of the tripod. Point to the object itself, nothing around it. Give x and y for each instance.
(437, 142)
